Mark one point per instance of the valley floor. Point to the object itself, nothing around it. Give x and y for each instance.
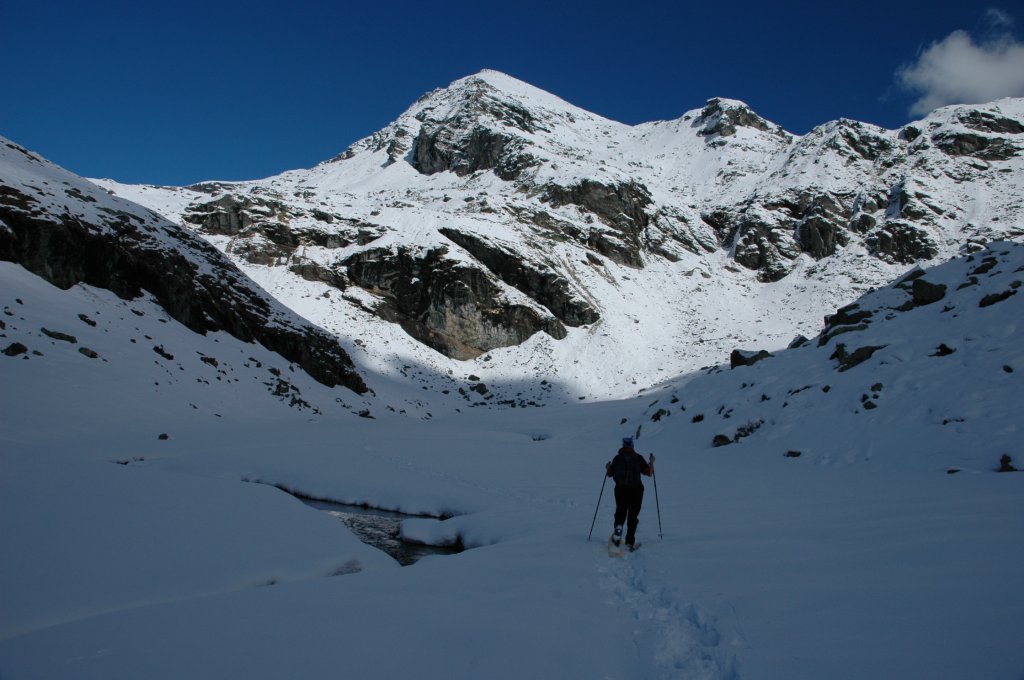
(142, 536)
(173, 566)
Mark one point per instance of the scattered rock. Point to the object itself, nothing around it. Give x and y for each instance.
(697, 418)
(793, 454)
(992, 299)
(1006, 464)
(164, 437)
(846, 319)
(943, 350)
(14, 349)
(906, 281)
(987, 265)
(159, 349)
(87, 320)
(747, 430)
(57, 335)
(848, 360)
(88, 352)
(1007, 369)
(926, 293)
(741, 357)
(721, 440)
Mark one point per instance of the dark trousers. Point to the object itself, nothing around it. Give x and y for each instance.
(628, 500)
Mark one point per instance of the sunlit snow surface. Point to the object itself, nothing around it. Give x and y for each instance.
(126, 555)
(141, 536)
(666, 319)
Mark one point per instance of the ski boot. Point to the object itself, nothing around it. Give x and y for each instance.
(615, 546)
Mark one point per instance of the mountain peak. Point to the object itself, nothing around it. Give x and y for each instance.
(721, 116)
(493, 92)
(508, 85)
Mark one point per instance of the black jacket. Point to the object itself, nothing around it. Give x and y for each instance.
(627, 466)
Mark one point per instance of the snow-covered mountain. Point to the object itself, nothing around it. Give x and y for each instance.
(69, 232)
(801, 497)
(827, 507)
(495, 235)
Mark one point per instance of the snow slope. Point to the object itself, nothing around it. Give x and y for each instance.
(829, 511)
(862, 557)
(689, 238)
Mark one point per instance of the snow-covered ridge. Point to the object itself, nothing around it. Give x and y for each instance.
(921, 374)
(806, 492)
(491, 216)
(70, 231)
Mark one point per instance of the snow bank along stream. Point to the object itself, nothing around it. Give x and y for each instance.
(381, 529)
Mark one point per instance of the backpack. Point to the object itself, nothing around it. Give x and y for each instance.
(627, 467)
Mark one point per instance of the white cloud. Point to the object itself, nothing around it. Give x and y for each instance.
(957, 70)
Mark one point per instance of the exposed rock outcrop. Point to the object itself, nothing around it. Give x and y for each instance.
(449, 306)
(268, 231)
(439, 147)
(622, 207)
(477, 131)
(741, 357)
(904, 242)
(976, 145)
(544, 285)
(125, 249)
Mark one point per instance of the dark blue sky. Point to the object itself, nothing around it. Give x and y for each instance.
(177, 92)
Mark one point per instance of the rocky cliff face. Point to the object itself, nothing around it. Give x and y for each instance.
(491, 211)
(68, 231)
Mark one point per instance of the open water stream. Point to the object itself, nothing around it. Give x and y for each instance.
(381, 529)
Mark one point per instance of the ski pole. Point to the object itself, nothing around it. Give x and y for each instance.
(605, 481)
(657, 504)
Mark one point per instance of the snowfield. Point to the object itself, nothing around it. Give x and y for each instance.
(126, 555)
(842, 505)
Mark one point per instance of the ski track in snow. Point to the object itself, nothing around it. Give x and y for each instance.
(674, 639)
